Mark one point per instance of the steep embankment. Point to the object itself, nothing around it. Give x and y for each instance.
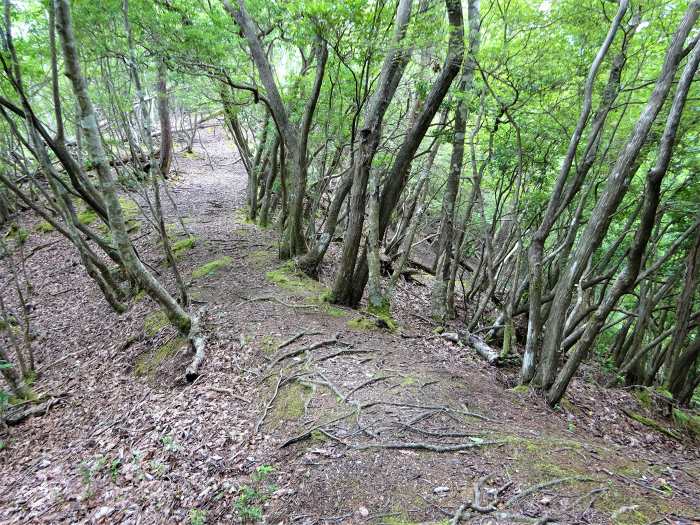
(304, 412)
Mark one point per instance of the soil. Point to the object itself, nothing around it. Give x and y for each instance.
(368, 426)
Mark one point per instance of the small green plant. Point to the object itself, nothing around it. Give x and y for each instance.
(249, 503)
(114, 467)
(157, 468)
(198, 517)
(86, 478)
(169, 443)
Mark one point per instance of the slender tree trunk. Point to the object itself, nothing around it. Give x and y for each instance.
(616, 187)
(178, 317)
(439, 306)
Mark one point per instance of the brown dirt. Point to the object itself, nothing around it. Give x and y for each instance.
(117, 448)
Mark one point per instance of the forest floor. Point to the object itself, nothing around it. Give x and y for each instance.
(304, 413)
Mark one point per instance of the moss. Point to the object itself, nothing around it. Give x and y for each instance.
(44, 227)
(260, 258)
(409, 380)
(289, 278)
(10, 323)
(290, 402)
(651, 423)
(130, 209)
(318, 436)
(19, 234)
(241, 216)
(184, 245)
(382, 312)
(333, 312)
(269, 344)
(689, 422)
(362, 324)
(211, 267)
(87, 217)
(322, 301)
(155, 322)
(520, 389)
(644, 398)
(150, 362)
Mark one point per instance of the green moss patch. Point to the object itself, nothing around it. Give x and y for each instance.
(290, 402)
(260, 258)
(87, 217)
(150, 362)
(361, 324)
(44, 227)
(269, 344)
(687, 421)
(211, 267)
(289, 278)
(184, 245)
(653, 424)
(155, 322)
(17, 233)
(241, 216)
(366, 323)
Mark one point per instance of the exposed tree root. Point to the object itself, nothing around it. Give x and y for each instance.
(269, 404)
(301, 350)
(16, 417)
(344, 352)
(307, 433)
(414, 445)
(541, 486)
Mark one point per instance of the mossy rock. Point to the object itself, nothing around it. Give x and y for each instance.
(130, 209)
(211, 267)
(149, 363)
(155, 322)
(183, 246)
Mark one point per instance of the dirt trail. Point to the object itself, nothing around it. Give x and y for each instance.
(304, 413)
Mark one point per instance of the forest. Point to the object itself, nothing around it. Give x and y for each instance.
(360, 261)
